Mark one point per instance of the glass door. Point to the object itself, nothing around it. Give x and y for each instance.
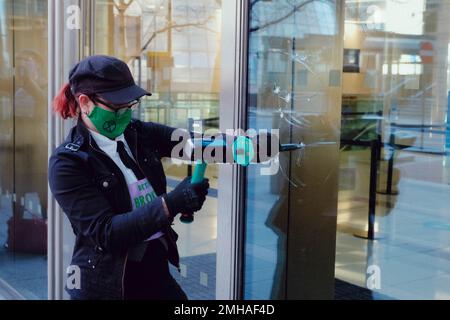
(294, 85)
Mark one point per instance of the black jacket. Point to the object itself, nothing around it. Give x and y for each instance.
(92, 192)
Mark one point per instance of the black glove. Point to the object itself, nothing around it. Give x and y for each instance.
(187, 197)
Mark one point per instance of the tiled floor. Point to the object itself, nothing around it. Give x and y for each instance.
(196, 289)
(198, 276)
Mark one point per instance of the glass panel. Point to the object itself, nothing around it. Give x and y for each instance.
(23, 143)
(294, 86)
(173, 50)
(394, 186)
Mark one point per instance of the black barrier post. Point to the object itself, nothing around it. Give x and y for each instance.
(374, 155)
(375, 151)
(190, 129)
(390, 172)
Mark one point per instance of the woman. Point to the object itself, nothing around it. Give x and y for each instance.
(109, 181)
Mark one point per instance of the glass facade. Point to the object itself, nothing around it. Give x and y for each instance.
(23, 148)
(392, 217)
(360, 212)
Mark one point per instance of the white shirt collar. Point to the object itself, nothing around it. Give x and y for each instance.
(105, 143)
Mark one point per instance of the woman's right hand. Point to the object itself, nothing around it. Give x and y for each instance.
(187, 197)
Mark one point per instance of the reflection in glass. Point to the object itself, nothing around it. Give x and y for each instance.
(23, 145)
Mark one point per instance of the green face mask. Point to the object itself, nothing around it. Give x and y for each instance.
(108, 123)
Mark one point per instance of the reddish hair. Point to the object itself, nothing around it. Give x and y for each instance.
(65, 103)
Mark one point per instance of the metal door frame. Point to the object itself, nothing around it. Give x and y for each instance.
(233, 115)
(64, 49)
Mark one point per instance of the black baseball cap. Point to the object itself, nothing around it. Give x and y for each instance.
(107, 77)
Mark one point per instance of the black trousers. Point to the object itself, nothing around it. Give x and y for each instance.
(150, 278)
